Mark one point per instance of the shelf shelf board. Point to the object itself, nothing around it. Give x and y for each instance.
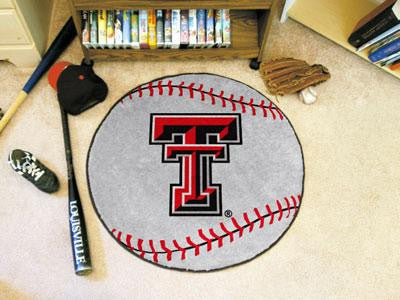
(244, 44)
(334, 19)
(171, 4)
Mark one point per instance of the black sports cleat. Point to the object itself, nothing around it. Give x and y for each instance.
(25, 164)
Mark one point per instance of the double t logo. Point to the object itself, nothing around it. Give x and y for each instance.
(195, 141)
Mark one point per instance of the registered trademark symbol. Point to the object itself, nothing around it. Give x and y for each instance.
(228, 213)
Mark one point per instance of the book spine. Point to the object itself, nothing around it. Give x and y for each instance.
(382, 22)
(176, 28)
(135, 29)
(85, 28)
(379, 37)
(118, 28)
(395, 65)
(390, 59)
(201, 28)
(226, 28)
(160, 28)
(218, 28)
(184, 28)
(152, 29)
(167, 29)
(126, 28)
(93, 28)
(110, 29)
(385, 51)
(192, 28)
(143, 29)
(210, 39)
(102, 23)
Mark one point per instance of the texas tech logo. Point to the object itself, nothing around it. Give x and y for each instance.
(195, 141)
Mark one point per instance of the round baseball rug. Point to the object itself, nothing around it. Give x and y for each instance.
(195, 172)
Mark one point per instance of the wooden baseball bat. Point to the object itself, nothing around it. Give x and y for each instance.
(77, 227)
(63, 39)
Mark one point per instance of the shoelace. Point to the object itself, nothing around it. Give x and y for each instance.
(32, 169)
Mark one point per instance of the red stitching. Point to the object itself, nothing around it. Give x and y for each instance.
(130, 96)
(160, 88)
(237, 226)
(259, 217)
(170, 89)
(140, 91)
(279, 113)
(263, 108)
(206, 239)
(181, 89)
(226, 231)
(139, 245)
(210, 93)
(246, 219)
(216, 236)
(190, 87)
(201, 91)
(270, 109)
(242, 105)
(183, 250)
(128, 241)
(151, 90)
(287, 207)
(233, 103)
(253, 110)
(164, 247)
(221, 96)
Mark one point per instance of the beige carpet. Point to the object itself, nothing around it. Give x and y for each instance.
(344, 244)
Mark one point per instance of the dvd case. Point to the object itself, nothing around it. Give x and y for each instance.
(210, 41)
(135, 29)
(184, 28)
(110, 29)
(218, 27)
(93, 28)
(176, 28)
(160, 28)
(192, 28)
(226, 28)
(201, 28)
(126, 28)
(85, 28)
(167, 29)
(152, 29)
(102, 24)
(118, 28)
(143, 29)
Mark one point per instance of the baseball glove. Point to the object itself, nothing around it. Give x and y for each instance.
(289, 75)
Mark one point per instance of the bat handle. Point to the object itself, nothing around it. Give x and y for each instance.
(79, 239)
(13, 108)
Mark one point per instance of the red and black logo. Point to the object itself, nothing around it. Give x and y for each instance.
(195, 141)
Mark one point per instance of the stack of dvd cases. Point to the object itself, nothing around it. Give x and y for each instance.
(151, 29)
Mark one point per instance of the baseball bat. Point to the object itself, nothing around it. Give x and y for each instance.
(63, 39)
(77, 227)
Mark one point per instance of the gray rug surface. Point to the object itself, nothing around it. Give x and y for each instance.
(196, 172)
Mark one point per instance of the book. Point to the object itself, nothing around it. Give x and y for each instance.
(192, 28)
(379, 37)
(390, 59)
(160, 28)
(152, 29)
(184, 28)
(85, 28)
(110, 29)
(93, 28)
(382, 18)
(135, 29)
(143, 29)
(385, 51)
(226, 28)
(167, 29)
(176, 28)
(218, 28)
(201, 28)
(118, 28)
(102, 24)
(126, 28)
(210, 41)
(395, 65)
(385, 41)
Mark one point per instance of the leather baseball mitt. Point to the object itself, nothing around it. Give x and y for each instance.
(289, 75)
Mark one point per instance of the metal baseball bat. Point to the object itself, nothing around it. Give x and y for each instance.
(63, 39)
(77, 227)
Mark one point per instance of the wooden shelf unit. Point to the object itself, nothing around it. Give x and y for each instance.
(250, 25)
(335, 19)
